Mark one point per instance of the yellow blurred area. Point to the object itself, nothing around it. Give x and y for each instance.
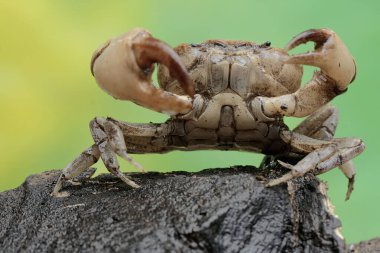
(25, 79)
(44, 78)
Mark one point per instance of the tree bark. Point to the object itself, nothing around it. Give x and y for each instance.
(216, 210)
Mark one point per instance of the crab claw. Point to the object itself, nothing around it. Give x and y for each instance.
(123, 67)
(331, 55)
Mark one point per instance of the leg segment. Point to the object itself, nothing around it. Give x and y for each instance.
(110, 140)
(349, 171)
(322, 125)
(109, 131)
(76, 167)
(305, 165)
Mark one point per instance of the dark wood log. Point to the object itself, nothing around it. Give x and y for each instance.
(216, 210)
(371, 246)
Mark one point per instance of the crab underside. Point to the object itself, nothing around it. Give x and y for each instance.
(226, 95)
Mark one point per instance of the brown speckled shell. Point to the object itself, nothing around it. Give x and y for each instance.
(247, 68)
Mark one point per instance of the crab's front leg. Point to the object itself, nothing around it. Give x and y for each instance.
(123, 67)
(337, 71)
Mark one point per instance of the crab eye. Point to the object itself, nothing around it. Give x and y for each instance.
(242, 44)
(218, 43)
(265, 44)
(195, 45)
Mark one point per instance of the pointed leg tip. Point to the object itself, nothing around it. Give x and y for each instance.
(286, 165)
(63, 194)
(285, 178)
(126, 180)
(136, 186)
(141, 169)
(350, 189)
(272, 183)
(133, 184)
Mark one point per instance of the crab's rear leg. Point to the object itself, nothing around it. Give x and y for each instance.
(322, 125)
(321, 156)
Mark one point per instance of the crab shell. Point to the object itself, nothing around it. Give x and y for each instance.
(241, 67)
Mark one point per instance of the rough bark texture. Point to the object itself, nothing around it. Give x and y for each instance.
(218, 210)
(371, 246)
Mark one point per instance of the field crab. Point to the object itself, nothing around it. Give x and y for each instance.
(225, 95)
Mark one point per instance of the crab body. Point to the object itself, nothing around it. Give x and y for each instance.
(227, 76)
(226, 95)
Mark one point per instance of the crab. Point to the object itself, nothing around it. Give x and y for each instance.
(224, 95)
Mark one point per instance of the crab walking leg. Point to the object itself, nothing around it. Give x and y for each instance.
(322, 125)
(322, 159)
(116, 140)
(87, 158)
(307, 164)
(303, 144)
(107, 151)
(337, 71)
(349, 171)
(350, 147)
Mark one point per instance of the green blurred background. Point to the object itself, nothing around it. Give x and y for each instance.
(48, 96)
